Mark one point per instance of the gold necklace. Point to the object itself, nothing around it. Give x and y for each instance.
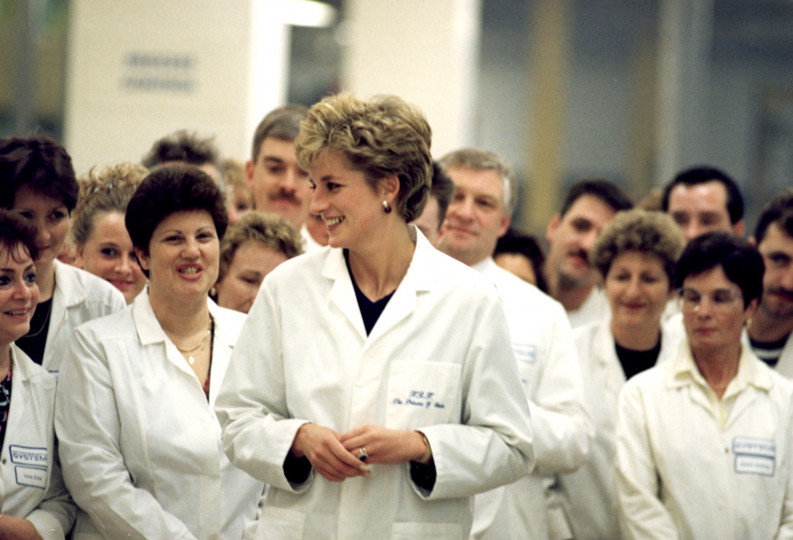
(189, 351)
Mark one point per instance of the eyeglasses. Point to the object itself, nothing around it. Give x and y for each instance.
(722, 300)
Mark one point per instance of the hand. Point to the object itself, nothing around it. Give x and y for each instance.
(327, 455)
(16, 528)
(385, 446)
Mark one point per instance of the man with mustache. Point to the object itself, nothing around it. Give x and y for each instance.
(770, 328)
(478, 214)
(587, 207)
(279, 184)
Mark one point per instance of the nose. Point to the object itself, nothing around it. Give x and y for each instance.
(786, 280)
(633, 287)
(191, 249)
(288, 181)
(22, 291)
(125, 263)
(462, 208)
(691, 231)
(704, 308)
(318, 202)
(588, 239)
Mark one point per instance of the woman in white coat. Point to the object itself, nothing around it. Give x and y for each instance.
(373, 386)
(33, 500)
(635, 255)
(139, 441)
(38, 183)
(704, 440)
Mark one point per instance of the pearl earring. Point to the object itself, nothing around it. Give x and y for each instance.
(386, 207)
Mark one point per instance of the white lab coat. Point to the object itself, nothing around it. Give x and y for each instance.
(438, 360)
(589, 495)
(139, 443)
(692, 466)
(542, 342)
(79, 296)
(594, 309)
(31, 484)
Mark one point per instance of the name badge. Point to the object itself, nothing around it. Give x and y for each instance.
(754, 455)
(31, 477)
(27, 455)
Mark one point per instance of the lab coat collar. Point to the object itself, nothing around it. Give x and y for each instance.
(23, 367)
(419, 277)
(684, 371)
(68, 289)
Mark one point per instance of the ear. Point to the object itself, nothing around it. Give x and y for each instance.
(249, 165)
(739, 228)
(505, 221)
(390, 188)
(748, 313)
(78, 256)
(552, 226)
(143, 260)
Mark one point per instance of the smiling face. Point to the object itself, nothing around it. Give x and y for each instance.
(476, 217)
(571, 238)
(19, 293)
(50, 217)
(108, 253)
(712, 326)
(279, 184)
(777, 251)
(251, 263)
(345, 200)
(183, 256)
(637, 289)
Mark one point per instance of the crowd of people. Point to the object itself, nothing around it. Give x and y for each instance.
(345, 337)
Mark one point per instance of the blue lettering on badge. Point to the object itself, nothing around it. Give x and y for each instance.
(754, 455)
(25, 455)
(419, 398)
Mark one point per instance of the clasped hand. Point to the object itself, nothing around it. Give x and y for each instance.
(335, 455)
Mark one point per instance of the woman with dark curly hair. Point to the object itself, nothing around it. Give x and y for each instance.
(139, 440)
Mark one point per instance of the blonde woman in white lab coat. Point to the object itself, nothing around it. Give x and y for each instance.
(704, 440)
(635, 255)
(139, 440)
(373, 386)
(37, 182)
(34, 502)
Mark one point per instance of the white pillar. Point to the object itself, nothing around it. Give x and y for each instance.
(140, 69)
(425, 51)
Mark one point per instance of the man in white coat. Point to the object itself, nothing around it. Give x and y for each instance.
(541, 341)
(770, 329)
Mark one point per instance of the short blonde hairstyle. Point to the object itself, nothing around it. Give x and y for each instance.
(270, 230)
(382, 137)
(649, 232)
(103, 190)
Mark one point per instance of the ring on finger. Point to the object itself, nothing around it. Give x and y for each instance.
(363, 454)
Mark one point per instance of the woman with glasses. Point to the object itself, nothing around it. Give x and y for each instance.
(704, 440)
(635, 255)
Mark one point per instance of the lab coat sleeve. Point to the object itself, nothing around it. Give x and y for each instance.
(54, 516)
(563, 431)
(251, 406)
(88, 428)
(492, 445)
(642, 514)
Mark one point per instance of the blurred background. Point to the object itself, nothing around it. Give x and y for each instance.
(628, 90)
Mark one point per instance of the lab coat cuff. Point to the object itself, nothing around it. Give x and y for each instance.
(46, 525)
(297, 483)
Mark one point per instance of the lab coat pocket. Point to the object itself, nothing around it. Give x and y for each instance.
(436, 531)
(422, 394)
(276, 522)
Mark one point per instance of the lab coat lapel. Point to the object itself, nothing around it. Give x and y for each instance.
(151, 333)
(221, 351)
(20, 409)
(342, 294)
